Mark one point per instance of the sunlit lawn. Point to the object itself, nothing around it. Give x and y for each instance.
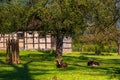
(41, 66)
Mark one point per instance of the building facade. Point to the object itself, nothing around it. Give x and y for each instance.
(33, 41)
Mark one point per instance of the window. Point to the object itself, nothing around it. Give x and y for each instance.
(30, 33)
(42, 35)
(20, 35)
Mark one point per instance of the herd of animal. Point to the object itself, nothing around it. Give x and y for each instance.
(62, 64)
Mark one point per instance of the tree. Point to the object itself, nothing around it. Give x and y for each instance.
(60, 18)
(11, 21)
(100, 18)
(12, 17)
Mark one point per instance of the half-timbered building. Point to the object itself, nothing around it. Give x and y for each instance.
(31, 40)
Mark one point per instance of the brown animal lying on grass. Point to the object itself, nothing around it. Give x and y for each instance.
(61, 64)
(91, 62)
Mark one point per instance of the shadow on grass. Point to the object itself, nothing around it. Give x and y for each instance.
(19, 73)
(102, 54)
(112, 67)
(113, 73)
(37, 57)
(77, 59)
(22, 71)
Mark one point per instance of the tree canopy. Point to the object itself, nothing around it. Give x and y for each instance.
(101, 17)
(60, 18)
(11, 17)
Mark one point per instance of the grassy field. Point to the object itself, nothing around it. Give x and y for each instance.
(41, 66)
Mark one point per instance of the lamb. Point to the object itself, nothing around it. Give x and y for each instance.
(61, 64)
(91, 62)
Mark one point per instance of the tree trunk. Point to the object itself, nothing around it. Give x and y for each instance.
(59, 46)
(12, 51)
(118, 48)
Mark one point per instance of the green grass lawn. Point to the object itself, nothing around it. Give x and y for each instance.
(41, 66)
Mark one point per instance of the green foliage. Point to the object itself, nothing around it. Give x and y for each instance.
(99, 15)
(11, 17)
(112, 48)
(58, 17)
(83, 57)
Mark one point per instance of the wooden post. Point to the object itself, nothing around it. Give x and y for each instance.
(4, 41)
(45, 41)
(23, 40)
(7, 51)
(39, 41)
(26, 41)
(33, 40)
(17, 48)
(15, 52)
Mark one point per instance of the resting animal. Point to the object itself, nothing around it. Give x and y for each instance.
(61, 64)
(91, 62)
